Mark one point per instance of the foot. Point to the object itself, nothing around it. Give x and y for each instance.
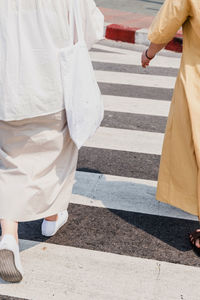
(49, 228)
(195, 238)
(10, 263)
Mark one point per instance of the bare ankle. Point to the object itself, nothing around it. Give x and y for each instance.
(52, 218)
(9, 227)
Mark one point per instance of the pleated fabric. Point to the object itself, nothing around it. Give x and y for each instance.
(38, 161)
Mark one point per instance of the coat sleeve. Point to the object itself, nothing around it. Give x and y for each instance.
(169, 19)
(93, 22)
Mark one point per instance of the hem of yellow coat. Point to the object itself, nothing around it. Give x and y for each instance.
(177, 200)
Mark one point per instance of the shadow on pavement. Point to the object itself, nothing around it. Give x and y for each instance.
(119, 231)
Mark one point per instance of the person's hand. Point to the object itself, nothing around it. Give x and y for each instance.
(144, 60)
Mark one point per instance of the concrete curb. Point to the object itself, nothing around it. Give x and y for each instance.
(134, 35)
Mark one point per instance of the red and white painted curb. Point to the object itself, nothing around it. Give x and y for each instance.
(133, 35)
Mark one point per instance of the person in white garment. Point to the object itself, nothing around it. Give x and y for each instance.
(38, 158)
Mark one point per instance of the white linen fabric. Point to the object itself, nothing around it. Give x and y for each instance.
(82, 96)
(31, 34)
(38, 161)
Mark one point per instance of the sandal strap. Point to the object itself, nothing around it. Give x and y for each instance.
(196, 235)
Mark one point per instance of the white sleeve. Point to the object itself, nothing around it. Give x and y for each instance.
(93, 22)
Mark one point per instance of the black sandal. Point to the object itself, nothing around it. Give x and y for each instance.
(193, 237)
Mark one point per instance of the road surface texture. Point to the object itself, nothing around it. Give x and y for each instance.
(145, 7)
(119, 243)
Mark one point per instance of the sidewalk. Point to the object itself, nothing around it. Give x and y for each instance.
(133, 28)
(124, 18)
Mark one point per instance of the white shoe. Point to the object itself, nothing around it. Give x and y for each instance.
(49, 228)
(10, 264)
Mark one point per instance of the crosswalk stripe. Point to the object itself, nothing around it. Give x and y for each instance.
(120, 163)
(165, 82)
(122, 193)
(121, 50)
(71, 273)
(134, 121)
(113, 49)
(120, 232)
(135, 59)
(125, 90)
(119, 242)
(127, 140)
(136, 105)
(134, 69)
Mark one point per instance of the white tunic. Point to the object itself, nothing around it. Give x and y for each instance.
(31, 34)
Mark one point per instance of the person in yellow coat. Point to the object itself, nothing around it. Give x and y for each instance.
(179, 177)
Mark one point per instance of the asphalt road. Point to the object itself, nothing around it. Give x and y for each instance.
(119, 242)
(117, 234)
(144, 7)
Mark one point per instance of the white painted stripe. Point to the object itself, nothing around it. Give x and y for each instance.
(135, 48)
(62, 272)
(135, 59)
(122, 193)
(144, 80)
(136, 105)
(113, 49)
(127, 140)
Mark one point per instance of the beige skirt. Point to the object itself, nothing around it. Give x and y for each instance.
(38, 161)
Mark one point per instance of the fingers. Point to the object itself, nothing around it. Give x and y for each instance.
(144, 60)
(145, 64)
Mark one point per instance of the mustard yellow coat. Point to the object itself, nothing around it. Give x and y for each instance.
(179, 180)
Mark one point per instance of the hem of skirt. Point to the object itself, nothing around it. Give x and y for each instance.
(37, 216)
(24, 117)
(161, 196)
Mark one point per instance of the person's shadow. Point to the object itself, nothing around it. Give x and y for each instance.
(136, 225)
